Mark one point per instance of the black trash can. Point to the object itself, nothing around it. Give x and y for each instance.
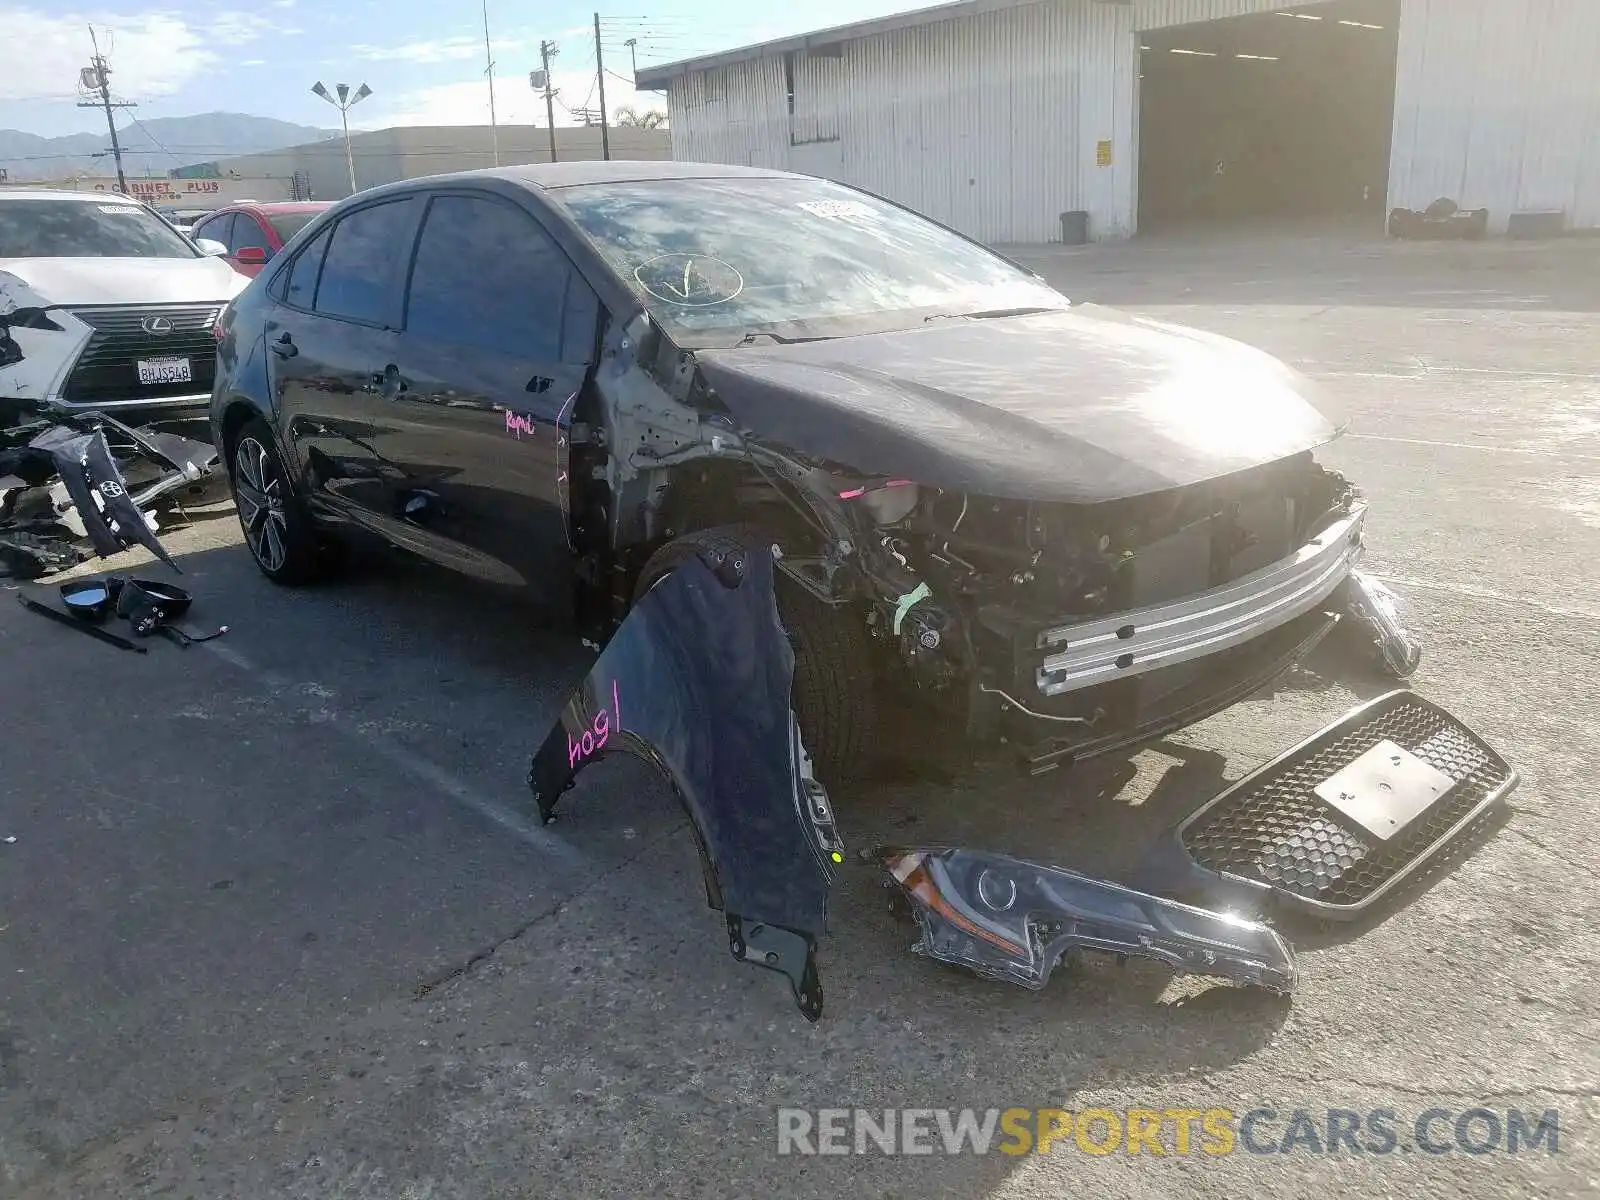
(1074, 228)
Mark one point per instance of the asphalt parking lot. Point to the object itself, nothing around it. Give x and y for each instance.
(276, 920)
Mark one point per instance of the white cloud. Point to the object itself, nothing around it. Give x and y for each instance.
(437, 50)
(234, 29)
(467, 102)
(153, 53)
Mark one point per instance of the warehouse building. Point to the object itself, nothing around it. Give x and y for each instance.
(1024, 120)
(318, 170)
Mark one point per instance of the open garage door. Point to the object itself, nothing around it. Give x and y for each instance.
(1280, 114)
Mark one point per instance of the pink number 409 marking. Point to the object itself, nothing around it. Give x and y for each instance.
(594, 738)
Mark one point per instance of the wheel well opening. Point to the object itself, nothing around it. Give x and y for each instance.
(233, 420)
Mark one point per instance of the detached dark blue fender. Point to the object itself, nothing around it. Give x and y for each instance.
(697, 681)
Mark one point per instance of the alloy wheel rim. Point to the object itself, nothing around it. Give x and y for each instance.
(258, 493)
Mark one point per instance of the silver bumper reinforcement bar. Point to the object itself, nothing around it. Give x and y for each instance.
(1163, 635)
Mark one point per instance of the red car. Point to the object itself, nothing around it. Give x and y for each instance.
(254, 233)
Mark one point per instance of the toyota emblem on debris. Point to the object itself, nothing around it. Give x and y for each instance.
(159, 326)
(111, 489)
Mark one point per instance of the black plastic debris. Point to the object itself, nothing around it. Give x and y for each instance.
(1443, 220)
(81, 483)
(697, 682)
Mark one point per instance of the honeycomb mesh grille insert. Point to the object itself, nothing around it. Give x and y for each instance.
(1275, 829)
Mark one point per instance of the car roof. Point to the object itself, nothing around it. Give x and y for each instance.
(274, 208)
(12, 192)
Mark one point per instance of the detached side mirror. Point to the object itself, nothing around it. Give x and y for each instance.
(210, 247)
(250, 256)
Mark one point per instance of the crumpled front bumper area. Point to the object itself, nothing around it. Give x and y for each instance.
(697, 681)
(87, 477)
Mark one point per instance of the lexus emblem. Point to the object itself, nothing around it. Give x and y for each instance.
(158, 326)
(111, 489)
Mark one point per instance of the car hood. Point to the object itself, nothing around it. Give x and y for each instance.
(1080, 405)
(87, 281)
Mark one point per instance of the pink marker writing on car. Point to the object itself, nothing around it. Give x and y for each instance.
(593, 739)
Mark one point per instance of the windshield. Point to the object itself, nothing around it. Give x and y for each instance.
(289, 224)
(86, 229)
(718, 259)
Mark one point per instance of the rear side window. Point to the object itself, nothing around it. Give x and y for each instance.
(247, 231)
(289, 224)
(359, 269)
(487, 275)
(301, 289)
(218, 229)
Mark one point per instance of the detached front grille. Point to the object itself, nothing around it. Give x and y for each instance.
(106, 371)
(1273, 828)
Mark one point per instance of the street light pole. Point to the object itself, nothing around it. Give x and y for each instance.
(345, 102)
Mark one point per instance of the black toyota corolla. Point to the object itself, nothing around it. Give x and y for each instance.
(1061, 526)
(792, 453)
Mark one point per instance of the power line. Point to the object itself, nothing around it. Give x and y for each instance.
(154, 138)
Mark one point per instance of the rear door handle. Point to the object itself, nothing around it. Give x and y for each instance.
(284, 347)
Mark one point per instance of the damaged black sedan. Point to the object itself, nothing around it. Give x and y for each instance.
(623, 386)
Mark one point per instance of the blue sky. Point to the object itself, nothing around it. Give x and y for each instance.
(423, 58)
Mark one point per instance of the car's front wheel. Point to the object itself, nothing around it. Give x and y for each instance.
(277, 529)
(834, 694)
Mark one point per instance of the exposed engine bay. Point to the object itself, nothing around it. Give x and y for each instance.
(1061, 629)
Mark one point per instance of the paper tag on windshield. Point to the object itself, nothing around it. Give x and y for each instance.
(118, 208)
(836, 208)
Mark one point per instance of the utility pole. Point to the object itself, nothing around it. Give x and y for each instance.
(547, 51)
(96, 77)
(600, 74)
(488, 58)
(633, 55)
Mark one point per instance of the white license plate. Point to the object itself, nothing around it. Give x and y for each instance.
(164, 370)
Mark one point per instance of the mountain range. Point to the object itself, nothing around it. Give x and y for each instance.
(150, 147)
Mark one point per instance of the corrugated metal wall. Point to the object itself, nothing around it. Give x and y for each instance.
(991, 124)
(995, 123)
(1159, 14)
(1498, 106)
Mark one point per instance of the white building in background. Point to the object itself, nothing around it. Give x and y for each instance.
(411, 151)
(1000, 116)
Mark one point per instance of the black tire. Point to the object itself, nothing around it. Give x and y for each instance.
(834, 694)
(278, 531)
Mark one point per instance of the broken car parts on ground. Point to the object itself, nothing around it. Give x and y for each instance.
(697, 682)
